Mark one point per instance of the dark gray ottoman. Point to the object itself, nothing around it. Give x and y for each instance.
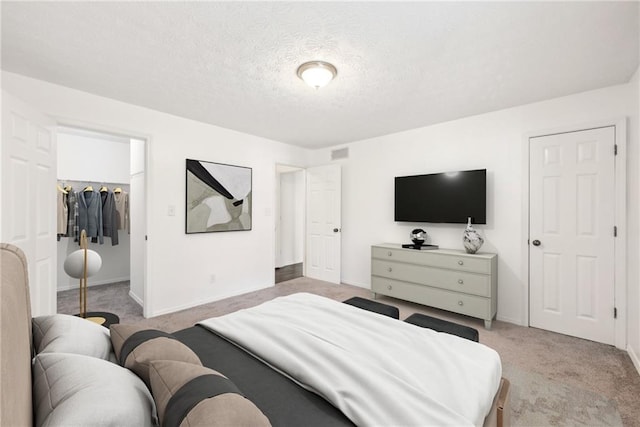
(440, 325)
(376, 307)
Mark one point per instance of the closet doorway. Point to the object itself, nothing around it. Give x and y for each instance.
(290, 222)
(114, 167)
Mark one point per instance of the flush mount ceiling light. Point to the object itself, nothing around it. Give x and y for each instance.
(317, 73)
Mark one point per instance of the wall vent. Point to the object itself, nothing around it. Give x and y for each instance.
(342, 153)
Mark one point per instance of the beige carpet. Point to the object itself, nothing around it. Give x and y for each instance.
(556, 380)
(539, 401)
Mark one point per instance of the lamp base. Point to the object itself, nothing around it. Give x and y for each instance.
(102, 318)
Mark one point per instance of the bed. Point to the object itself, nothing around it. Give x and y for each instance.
(59, 370)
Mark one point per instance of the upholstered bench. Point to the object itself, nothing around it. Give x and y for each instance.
(376, 307)
(440, 325)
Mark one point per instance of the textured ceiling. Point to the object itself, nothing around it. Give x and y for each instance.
(400, 65)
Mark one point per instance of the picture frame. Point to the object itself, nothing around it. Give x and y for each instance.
(218, 197)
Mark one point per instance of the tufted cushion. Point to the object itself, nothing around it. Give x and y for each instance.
(73, 389)
(442, 325)
(192, 395)
(374, 306)
(135, 347)
(63, 333)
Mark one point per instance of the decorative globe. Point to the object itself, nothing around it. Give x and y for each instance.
(418, 236)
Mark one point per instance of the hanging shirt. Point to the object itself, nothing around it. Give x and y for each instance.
(90, 214)
(122, 210)
(63, 213)
(72, 224)
(109, 216)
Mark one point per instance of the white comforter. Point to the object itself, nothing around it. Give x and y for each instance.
(377, 370)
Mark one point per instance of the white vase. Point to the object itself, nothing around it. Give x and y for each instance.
(471, 239)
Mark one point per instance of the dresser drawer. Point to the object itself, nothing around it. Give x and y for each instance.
(453, 261)
(469, 305)
(457, 281)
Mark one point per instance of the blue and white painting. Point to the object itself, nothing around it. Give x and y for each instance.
(218, 197)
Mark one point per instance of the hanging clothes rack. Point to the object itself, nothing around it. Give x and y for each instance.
(118, 213)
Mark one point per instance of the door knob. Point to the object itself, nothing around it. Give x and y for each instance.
(536, 242)
(335, 230)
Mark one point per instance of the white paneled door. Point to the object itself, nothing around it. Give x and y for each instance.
(323, 223)
(28, 197)
(571, 233)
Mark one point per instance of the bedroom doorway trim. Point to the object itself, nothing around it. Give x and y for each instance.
(140, 144)
(289, 216)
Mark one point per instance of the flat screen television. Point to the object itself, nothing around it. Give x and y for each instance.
(449, 197)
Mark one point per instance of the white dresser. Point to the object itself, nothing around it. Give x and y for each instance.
(443, 278)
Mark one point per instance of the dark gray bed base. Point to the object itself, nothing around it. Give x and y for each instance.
(280, 399)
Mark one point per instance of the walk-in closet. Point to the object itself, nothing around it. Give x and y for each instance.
(100, 188)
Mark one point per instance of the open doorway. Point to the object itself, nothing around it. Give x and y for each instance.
(109, 168)
(290, 206)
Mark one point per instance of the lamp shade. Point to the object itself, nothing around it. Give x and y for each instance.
(74, 264)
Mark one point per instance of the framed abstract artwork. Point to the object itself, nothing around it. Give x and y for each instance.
(218, 197)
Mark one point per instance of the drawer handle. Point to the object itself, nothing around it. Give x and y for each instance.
(460, 262)
(389, 287)
(460, 281)
(460, 303)
(389, 253)
(390, 269)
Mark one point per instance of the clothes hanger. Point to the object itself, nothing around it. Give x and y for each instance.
(103, 189)
(62, 190)
(68, 188)
(88, 188)
(117, 190)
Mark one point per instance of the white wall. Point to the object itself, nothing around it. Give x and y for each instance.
(104, 160)
(183, 270)
(91, 157)
(493, 141)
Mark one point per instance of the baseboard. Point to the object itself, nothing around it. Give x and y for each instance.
(634, 358)
(510, 320)
(207, 301)
(110, 280)
(66, 288)
(359, 285)
(135, 298)
(96, 283)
